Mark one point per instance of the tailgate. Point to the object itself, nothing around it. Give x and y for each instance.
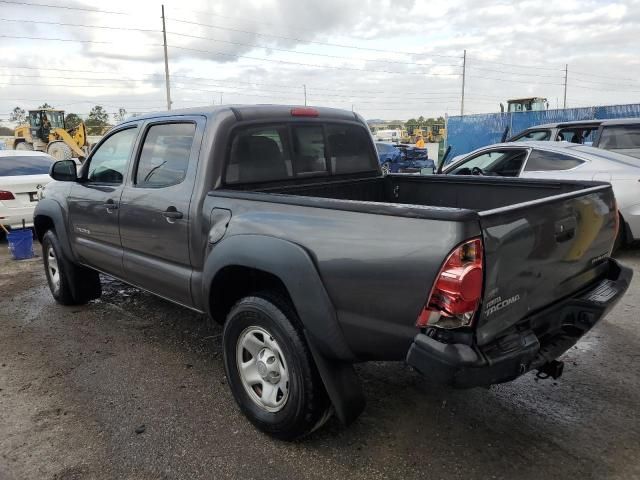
(542, 251)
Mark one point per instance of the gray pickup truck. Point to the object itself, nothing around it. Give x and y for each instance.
(276, 222)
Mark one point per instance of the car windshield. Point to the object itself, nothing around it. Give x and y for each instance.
(23, 165)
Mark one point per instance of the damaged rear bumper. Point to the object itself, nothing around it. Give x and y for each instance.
(534, 343)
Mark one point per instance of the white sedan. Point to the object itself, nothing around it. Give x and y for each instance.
(562, 161)
(23, 174)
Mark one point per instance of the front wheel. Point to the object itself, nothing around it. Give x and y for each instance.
(270, 370)
(70, 284)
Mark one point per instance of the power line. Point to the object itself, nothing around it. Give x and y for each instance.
(519, 65)
(310, 53)
(63, 7)
(337, 67)
(514, 81)
(19, 37)
(513, 73)
(80, 25)
(301, 40)
(218, 81)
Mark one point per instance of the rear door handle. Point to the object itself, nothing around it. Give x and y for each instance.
(172, 214)
(110, 205)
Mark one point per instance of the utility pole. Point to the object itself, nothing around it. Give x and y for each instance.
(166, 61)
(305, 94)
(464, 75)
(566, 74)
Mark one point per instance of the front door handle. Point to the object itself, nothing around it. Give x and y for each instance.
(172, 213)
(110, 205)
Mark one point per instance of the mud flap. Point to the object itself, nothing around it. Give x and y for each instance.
(342, 385)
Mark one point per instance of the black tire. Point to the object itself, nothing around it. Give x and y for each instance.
(74, 285)
(307, 406)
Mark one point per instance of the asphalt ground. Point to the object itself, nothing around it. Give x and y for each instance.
(131, 386)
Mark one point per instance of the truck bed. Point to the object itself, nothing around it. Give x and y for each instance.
(470, 193)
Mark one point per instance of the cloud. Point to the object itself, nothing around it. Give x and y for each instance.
(514, 49)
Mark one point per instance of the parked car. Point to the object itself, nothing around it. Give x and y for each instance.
(562, 160)
(402, 158)
(582, 132)
(277, 222)
(619, 135)
(23, 175)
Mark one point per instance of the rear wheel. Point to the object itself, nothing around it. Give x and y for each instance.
(24, 146)
(70, 284)
(270, 369)
(60, 151)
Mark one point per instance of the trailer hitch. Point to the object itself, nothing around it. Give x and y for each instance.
(552, 369)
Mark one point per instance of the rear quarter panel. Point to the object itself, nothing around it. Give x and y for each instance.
(377, 269)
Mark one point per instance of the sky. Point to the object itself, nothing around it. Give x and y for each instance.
(384, 59)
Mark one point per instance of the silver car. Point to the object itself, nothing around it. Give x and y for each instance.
(562, 161)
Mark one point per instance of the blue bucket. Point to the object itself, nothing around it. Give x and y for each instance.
(21, 243)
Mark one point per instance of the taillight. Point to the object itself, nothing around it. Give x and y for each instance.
(4, 195)
(304, 112)
(457, 291)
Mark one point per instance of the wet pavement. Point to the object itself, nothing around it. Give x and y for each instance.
(131, 386)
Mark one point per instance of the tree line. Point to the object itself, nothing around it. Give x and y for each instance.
(96, 122)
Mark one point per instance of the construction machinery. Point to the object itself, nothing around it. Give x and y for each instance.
(530, 104)
(46, 132)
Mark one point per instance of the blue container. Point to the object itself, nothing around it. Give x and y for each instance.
(21, 243)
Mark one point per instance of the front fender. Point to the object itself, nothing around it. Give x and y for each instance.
(297, 271)
(49, 213)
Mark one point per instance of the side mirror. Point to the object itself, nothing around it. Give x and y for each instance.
(64, 171)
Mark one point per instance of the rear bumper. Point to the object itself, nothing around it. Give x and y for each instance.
(536, 341)
(12, 217)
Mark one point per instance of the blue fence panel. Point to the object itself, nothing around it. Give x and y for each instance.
(469, 132)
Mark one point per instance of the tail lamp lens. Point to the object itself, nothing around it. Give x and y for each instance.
(457, 291)
(4, 195)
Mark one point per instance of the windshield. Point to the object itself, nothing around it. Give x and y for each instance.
(31, 165)
(55, 119)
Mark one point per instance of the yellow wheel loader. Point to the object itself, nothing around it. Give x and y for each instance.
(46, 132)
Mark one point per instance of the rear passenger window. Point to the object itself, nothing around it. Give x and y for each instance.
(269, 153)
(349, 149)
(540, 161)
(165, 155)
(259, 155)
(309, 149)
